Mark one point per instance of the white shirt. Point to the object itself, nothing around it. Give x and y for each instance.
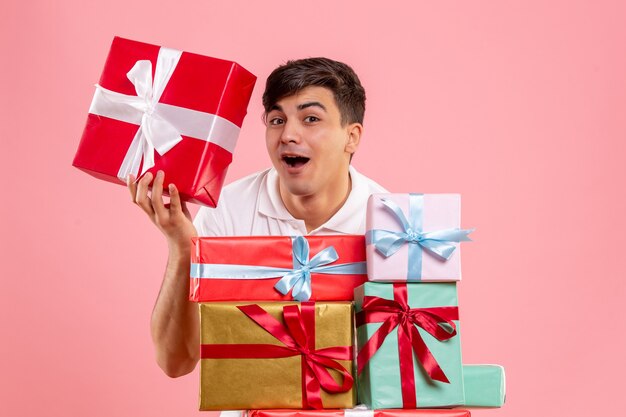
(252, 206)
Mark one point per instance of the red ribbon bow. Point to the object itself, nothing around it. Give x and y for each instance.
(298, 338)
(437, 321)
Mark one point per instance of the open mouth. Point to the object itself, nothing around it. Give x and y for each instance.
(295, 161)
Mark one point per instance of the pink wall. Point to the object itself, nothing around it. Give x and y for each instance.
(519, 106)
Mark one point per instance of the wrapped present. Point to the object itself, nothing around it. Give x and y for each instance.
(409, 345)
(157, 108)
(321, 268)
(358, 412)
(484, 385)
(276, 355)
(414, 237)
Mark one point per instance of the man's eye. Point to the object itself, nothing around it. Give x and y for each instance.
(311, 119)
(276, 121)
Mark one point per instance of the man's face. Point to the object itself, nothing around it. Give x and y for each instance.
(309, 147)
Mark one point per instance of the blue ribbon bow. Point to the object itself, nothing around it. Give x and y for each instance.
(438, 242)
(297, 280)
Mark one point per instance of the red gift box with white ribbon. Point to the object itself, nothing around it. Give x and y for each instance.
(158, 108)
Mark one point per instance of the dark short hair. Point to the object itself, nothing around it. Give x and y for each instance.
(290, 78)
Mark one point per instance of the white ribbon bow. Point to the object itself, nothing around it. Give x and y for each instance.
(155, 132)
(160, 125)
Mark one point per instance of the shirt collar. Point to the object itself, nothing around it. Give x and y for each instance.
(347, 220)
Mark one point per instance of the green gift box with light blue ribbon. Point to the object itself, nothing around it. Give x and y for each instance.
(409, 345)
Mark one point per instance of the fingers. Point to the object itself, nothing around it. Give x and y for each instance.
(157, 197)
(185, 210)
(141, 197)
(152, 203)
(132, 187)
(175, 203)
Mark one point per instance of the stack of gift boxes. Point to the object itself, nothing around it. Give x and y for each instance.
(260, 351)
(278, 314)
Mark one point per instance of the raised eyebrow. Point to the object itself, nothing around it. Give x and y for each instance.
(311, 104)
(275, 107)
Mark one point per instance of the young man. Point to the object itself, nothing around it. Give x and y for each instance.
(314, 116)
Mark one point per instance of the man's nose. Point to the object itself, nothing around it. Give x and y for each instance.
(290, 132)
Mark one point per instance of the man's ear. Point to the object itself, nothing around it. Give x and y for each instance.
(354, 130)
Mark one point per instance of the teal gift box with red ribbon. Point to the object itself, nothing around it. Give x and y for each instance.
(409, 345)
(414, 237)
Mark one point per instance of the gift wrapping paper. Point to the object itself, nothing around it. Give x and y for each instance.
(414, 237)
(409, 347)
(276, 355)
(158, 108)
(233, 413)
(359, 413)
(317, 268)
(485, 385)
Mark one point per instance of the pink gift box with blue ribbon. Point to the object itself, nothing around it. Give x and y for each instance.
(414, 237)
